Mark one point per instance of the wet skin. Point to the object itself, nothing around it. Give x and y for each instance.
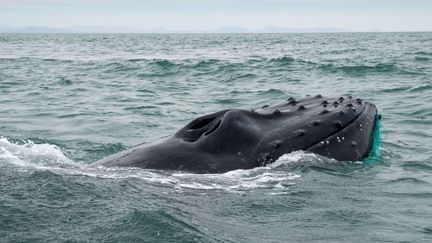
(339, 128)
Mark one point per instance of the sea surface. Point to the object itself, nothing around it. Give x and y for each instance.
(67, 100)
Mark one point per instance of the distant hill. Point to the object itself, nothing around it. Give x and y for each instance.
(276, 29)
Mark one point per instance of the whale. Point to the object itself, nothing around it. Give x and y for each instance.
(339, 128)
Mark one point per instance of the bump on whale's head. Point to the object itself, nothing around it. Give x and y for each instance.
(339, 128)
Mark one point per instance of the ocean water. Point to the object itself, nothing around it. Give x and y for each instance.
(67, 100)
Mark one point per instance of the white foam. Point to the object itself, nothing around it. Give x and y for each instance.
(277, 175)
(31, 154)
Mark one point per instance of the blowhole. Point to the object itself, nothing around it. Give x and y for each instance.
(213, 129)
(201, 122)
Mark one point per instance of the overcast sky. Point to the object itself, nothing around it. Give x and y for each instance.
(358, 15)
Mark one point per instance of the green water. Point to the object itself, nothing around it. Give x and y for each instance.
(67, 100)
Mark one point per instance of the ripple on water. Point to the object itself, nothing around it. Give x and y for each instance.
(422, 58)
(420, 88)
(137, 224)
(282, 61)
(65, 81)
(360, 69)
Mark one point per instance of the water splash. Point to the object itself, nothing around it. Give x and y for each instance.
(29, 153)
(278, 175)
(31, 157)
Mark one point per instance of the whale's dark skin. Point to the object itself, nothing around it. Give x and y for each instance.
(339, 128)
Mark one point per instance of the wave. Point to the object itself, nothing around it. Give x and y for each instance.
(422, 166)
(54, 60)
(419, 88)
(65, 81)
(282, 60)
(141, 223)
(361, 69)
(118, 67)
(164, 63)
(206, 63)
(422, 59)
(273, 93)
(194, 64)
(395, 89)
(424, 53)
(410, 180)
(141, 107)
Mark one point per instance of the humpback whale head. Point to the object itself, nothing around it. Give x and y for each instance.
(339, 128)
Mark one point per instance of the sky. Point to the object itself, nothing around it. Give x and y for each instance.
(356, 15)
